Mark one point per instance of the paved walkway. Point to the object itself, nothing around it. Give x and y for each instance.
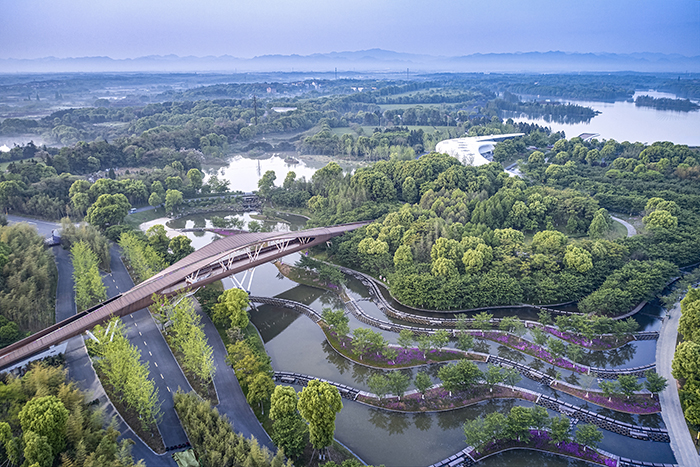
(671, 411)
(232, 401)
(631, 231)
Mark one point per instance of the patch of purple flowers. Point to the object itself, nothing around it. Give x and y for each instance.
(531, 349)
(595, 343)
(541, 440)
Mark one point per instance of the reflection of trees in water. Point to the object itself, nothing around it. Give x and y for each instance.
(510, 354)
(423, 421)
(379, 418)
(392, 422)
(332, 300)
(611, 358)
(449, 420)
(199, 222)
(572, 379)
(480, 345)
(620, 416)
(334, 358)
(361, 373)
(536, 365)
(622, 355)
(398, 423)
(650, 421)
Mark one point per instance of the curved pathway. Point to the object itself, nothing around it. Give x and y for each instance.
(631, 231)
(671, 410)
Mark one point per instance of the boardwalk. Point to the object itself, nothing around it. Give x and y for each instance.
(681, 442)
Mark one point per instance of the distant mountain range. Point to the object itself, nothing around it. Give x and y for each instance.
(373, 60)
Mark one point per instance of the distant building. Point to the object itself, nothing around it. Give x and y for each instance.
(473, 150)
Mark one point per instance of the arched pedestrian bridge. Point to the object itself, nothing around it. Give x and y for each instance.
(209, 264)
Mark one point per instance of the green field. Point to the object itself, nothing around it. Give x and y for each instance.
(3, 165)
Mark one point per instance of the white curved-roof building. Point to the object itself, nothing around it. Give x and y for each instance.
(472, 150)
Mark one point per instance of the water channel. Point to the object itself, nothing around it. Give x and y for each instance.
(296, 344)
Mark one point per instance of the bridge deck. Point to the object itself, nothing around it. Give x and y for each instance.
(217, 260)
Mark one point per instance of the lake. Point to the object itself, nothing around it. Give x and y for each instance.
(624, 121)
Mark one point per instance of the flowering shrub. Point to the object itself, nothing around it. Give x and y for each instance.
(541, 440)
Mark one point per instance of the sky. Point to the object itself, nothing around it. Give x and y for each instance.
(247, 28)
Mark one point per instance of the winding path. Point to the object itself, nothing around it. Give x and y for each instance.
(671, 410)
(631, 231)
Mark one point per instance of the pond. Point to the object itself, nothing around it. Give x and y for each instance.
(243, 173)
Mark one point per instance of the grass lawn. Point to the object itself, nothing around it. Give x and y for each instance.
(618, 231)
(139, 218)
(3, 165)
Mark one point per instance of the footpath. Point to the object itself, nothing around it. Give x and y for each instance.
(671, 410)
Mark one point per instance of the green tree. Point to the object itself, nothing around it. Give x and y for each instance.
(559, 430)
(459, 376)
(475, 432)
(686, 361)
(609, 389)
(482, 321)
(319, 402)
(87, 283)
(600, 225)
(260, 389)
(232, 308)
(578, 259)
(378, 384)
(266, 183)
(337, 320)
(423, 383)
(556, 347)
(37, 450)
(655, 383)
(493, 376)
(196, 177)
(440, 339)
(46, 417)
(518, 423)
(588, 435)
(406, 338)
(628, 384)
(181, 246)
(173, 198)
(660, 221)
(108, 210)
(511, 376)
(398, 382)
(155, 199)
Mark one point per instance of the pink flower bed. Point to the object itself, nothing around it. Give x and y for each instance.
(595, 343)
(531, 349)
(541, 440)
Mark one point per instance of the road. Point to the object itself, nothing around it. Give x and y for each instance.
(142, 331)
(671, 410)
(631, 231)
(232, 401)
(78, 362)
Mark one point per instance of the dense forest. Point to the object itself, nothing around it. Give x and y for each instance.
(453, 237)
